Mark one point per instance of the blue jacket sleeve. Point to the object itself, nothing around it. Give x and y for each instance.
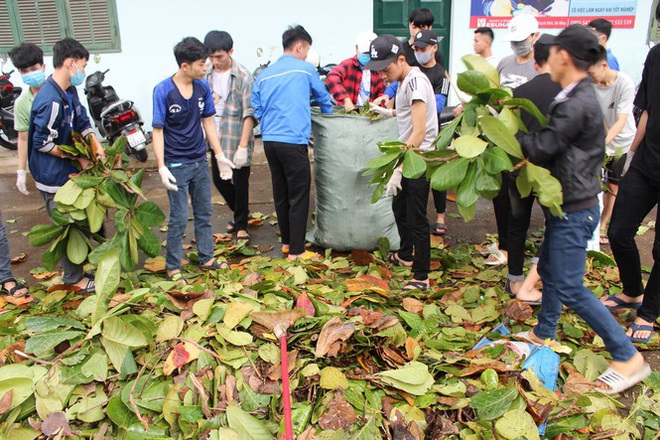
(440, 101)
(390, 91)
(255, 99)
(44, 125)
(320, 93)
(159, 108)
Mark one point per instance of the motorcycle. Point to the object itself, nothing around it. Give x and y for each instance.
(115, 117)
(8, 95)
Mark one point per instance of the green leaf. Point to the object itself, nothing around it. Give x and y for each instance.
(529, 107)
(85, 198)
(467, 194)
(85, 180)
(108, 273)
(414, 165)
(169, 328)
(491, 405)
(509, 119)
(149, 214)
(479, 63)
(96, 367)
(76, 248)
(546, 187)
(332, 378)
(120, 356)
(236, 312)
(413, 378)
(467, 212)
(383, 160)
(68, 193)
(517, 423)
(469, 146)
(447, 134)
(40, 235)
(38, 324)
(116, 330)
(472, 82)
(240, 339)
(95, 216)
(522, 183)
(43, 343)
(450, 174)
(589, 364)
(119, 413)
(21, 387)
(149, 243)
(499, 134)
(247, 426)
(496, 160)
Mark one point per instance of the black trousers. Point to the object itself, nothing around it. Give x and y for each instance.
(291, 176)
(521, 214)
(638, 195)
(502, 208)
(409, 207)
(440, 201)
(236, 193)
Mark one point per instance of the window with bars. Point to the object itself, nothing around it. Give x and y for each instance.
(43, 22)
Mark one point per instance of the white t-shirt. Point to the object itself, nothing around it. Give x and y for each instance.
(365, 88)
(220, 89)
(416, 87)
(493, 60)
(617, 99)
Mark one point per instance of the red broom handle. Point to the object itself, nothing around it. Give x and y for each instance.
(286, 389)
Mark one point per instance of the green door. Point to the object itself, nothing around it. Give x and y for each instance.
(391, 17)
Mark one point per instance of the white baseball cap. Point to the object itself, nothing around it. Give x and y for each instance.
(364, 40)
(520, 27)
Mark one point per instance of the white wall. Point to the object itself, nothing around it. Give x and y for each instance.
(150, 28)
(628, 45)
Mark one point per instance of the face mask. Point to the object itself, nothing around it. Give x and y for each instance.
(521, 48)
(423, 57)
(78, 78)
(363, 59)
(34, 79)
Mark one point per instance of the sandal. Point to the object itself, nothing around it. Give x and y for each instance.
(177, 277)
(416, 285)
(90, 287)
(640, 328)
(243, 235)
(439, 229)
(397, 261)
(14, 291)
(488, 248)
(231, 227)
(621, 304)
(214, 265)
(617, 382)
(497, 258)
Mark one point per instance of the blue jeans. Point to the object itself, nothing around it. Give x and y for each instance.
(5, 263)
(561, 266)
(192, 179)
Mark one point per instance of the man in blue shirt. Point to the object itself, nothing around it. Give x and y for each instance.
(183, 112)
(56, 112)
(280, 98)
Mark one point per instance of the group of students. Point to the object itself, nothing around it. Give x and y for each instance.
(217, 106)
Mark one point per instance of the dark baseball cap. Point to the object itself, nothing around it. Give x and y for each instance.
(579, 41)
(384, 50)
(424, 38)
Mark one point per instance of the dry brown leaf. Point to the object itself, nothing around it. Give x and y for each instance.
(362, 258)
(55, 424)
(308, 434)
(275, 372)
(222, 238)
(252, 278)
(576, 384)
(518, 310)
(119, 298)
(401, 430)
(43, 276)
(392, 356)
(278, 321)
(155, 265)
(339, 414)
(435, 265)
(413, 305)
(19, 301)
(5, 401)
(498, 366)
(19, 258)
(185, 300)
(333, 332)
(411, 345)
(255, 222)
(303, 302)
(259, 383)
(451, 297)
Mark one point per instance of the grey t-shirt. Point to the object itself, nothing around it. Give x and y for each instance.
(416, 87)
(617, 99)
(513, 74)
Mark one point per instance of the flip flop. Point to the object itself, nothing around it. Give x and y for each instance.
(439, 229)
(621, 304)
(245, 237)
(488, 248)
(215, 265)
(397, 261)
(14, 290)
(415, 285)
(231, 227)
(497, 258)
(617, 382)
(640, 328)
(90, 287)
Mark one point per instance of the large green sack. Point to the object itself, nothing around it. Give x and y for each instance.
(345, 217)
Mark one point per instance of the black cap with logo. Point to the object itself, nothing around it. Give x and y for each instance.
(384, 50)
(425, 37)
(580, 41)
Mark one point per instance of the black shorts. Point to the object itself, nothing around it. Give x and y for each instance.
(613, 168)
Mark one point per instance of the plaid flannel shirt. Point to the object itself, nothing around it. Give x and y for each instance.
(237, 108)
(344, 81)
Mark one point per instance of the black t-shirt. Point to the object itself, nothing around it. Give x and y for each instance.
(436, 75)
(541, 90)
(647, 158)
(409, 52)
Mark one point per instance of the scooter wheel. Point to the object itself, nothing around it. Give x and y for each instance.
(142, 155)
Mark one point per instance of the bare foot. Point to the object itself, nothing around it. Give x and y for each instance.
(623, 297)
(626, 369)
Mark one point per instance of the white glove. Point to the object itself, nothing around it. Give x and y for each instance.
(225, 166)
(240, 157)
(394, 184)
(626, 164)
(21, 180)
(387, 112)
(167, 178)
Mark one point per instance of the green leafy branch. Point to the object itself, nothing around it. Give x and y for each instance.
(470, 153)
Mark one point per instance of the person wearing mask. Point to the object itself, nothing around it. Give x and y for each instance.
(349, 83)
(231, 88)
(572, 146)
(417, 121)
(483, 41)
(541, 90)
(56, 113)
(603, 29)
(515, 70)
(616, 92)
(638, 194)
(28, 58)
(280, 98)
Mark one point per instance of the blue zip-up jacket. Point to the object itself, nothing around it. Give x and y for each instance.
(280, 98)
(55, 114)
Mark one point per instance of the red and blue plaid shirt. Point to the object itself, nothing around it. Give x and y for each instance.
(345, 79)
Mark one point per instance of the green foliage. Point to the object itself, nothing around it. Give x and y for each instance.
(472, 151)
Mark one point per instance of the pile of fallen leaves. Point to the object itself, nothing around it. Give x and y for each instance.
(364, 361)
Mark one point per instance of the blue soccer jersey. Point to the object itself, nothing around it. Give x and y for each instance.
(181, 118)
